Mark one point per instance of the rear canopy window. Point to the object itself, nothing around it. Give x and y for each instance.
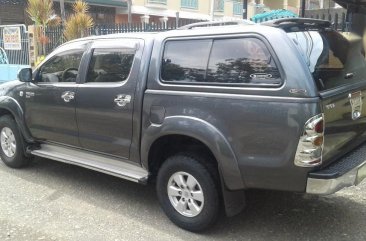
(243, 61)
(334, 59)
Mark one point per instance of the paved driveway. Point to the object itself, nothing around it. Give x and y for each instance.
(55, 201)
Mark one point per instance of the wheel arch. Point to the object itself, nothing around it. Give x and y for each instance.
(201, 132)
(10, 106)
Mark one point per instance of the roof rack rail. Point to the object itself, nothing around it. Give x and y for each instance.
(215, 24)
(296, 24)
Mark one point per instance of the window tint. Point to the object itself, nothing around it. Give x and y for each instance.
(242, 61)
(186, 61)
(224, 61)
(63, 67)
(109, 65)
(334, 59)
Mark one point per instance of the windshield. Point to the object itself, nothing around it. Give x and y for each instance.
(334, 59)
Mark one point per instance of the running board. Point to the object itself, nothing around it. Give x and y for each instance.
(97, 162)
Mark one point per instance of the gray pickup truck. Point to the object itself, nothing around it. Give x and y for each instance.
(205, 112)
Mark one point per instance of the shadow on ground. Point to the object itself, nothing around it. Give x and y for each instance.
(269, 215)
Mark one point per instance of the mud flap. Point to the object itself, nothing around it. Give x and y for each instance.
(234, 201)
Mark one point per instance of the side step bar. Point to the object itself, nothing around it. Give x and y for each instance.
(97, 162)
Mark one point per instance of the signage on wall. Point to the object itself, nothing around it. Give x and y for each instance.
(12, 38)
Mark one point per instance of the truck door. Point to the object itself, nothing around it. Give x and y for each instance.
(105, 99)
(50, 98)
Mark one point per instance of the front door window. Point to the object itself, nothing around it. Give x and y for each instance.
(63, 67)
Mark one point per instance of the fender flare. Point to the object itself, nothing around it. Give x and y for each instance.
(11, 105)
(204, 132)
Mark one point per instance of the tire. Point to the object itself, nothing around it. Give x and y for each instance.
(199, 215)
(11, 144)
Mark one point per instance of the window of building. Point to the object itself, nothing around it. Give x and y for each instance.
(63, 67)
(237, 8)
(110, 65)
(189, 4)
(219, 5)
(158, 1)
(239, 61)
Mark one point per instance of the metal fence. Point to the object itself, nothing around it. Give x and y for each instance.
(14, 51)
(338, 17)
(55, 35)
(18, 52)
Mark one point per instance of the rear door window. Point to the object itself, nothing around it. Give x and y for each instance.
(235, 61)
(110, 65)
(334, 59)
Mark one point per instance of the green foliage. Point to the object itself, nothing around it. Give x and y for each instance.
(78, 24)
(39, 60)
(41, 12)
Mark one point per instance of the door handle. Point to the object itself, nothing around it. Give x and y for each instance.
(68, 95)
(122, 100)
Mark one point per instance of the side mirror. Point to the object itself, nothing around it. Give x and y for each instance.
(25, 75)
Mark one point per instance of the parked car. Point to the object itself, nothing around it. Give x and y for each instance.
(206, 112)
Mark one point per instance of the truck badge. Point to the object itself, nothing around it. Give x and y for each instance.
(356, 104)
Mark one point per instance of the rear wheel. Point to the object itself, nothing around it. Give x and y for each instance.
(11, 143)
(188, 193)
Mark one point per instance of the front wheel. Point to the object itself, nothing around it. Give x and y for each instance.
(11, 150)
(188, 193)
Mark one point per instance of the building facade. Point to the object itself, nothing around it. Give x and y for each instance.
(159, 11)
(163, 11)
(320, 4)
(102, 11)
(12, 12)
(260, 6)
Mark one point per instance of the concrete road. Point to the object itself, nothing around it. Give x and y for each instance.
(55, 201)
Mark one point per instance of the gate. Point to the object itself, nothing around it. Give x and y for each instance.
(14, 51)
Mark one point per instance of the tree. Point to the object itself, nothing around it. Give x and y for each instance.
(78, 24)
(41, 12)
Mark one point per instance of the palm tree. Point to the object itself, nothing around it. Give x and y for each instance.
(78, 24)
(41, 12)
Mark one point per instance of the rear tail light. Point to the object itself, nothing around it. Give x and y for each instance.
(310, 149)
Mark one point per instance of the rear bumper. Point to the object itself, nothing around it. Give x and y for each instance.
(348, 171)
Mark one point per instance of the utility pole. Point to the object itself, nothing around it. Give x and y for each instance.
(129, 6)
(245, 9)
(62, 7)
(303, 7)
